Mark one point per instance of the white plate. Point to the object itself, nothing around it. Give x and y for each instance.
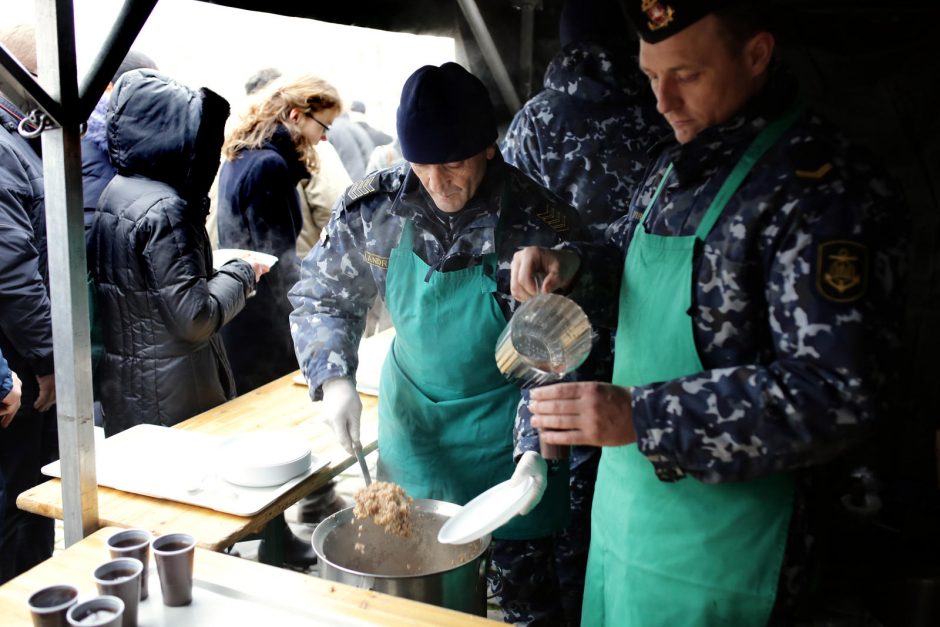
(224, 255)
(487, 512)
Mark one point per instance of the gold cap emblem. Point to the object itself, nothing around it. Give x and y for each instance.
(659, 14)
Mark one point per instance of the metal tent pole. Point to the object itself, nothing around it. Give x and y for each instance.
(67, 109)
(526, 34)
(62, 174)
(482, 34)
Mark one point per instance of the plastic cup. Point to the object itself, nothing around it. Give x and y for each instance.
(133, 543)
(50, 605)
(103, 611)
(121, 578)
(554, 451)
(174, 554)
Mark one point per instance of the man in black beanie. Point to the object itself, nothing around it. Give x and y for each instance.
(434, 238)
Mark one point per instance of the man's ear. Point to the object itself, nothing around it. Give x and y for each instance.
(758, 52)
(490, 152)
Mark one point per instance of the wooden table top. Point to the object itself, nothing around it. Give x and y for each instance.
(336, 603)
(281, 404)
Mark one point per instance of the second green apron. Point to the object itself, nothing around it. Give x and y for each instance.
(684, 553)
(445, 412)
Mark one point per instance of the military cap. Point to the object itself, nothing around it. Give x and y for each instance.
(656, 20)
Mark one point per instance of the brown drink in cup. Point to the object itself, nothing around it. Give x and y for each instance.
(50, 605)
(133, 543)
(553, 451)
(174, 554)
(121, 578)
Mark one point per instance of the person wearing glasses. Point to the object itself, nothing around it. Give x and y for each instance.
(433, 237)
(266, 154)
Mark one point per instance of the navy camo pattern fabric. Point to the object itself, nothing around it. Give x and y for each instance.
(585, 136)
(791, 377)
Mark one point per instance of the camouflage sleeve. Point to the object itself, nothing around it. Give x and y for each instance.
(331, 300)
(829, 267)
(525, 436)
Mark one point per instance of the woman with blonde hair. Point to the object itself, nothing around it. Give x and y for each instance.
(266, 154)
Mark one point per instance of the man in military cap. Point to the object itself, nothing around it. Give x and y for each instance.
(757, 275)
(434, 238)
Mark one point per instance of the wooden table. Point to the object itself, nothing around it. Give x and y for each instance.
(281, 404)
(329, 603)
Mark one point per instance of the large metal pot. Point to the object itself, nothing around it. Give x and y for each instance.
(360, 553)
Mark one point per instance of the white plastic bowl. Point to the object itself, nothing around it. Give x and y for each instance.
(263, 459)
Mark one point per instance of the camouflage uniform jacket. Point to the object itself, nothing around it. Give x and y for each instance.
(343, 273)
(585, 136)
(795, 298)
(796, 312)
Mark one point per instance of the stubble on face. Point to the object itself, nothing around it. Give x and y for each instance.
(700, 79)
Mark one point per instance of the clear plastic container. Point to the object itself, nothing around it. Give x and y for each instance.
(547, 337)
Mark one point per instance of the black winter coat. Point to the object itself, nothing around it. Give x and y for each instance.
(25, 313)
(161, 303)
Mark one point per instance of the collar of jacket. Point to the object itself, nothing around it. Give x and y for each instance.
(718, 145)
(282, 144)
(589, 72)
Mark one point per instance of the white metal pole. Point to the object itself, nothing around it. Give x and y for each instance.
(490, 54)
(62, 168)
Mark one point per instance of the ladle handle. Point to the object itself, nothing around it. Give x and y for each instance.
(539, 279)
(362, 463)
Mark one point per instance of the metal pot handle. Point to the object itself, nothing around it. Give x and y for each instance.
(485, 564)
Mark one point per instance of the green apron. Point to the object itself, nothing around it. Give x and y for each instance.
(683, 553)
(445, 412)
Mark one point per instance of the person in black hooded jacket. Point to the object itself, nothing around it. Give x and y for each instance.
(161, 302)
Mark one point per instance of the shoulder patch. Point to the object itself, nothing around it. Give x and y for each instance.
(841, 270)
(810, 160)
(554, 218)
(363, 187)
(818, 173)
(374, 260)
